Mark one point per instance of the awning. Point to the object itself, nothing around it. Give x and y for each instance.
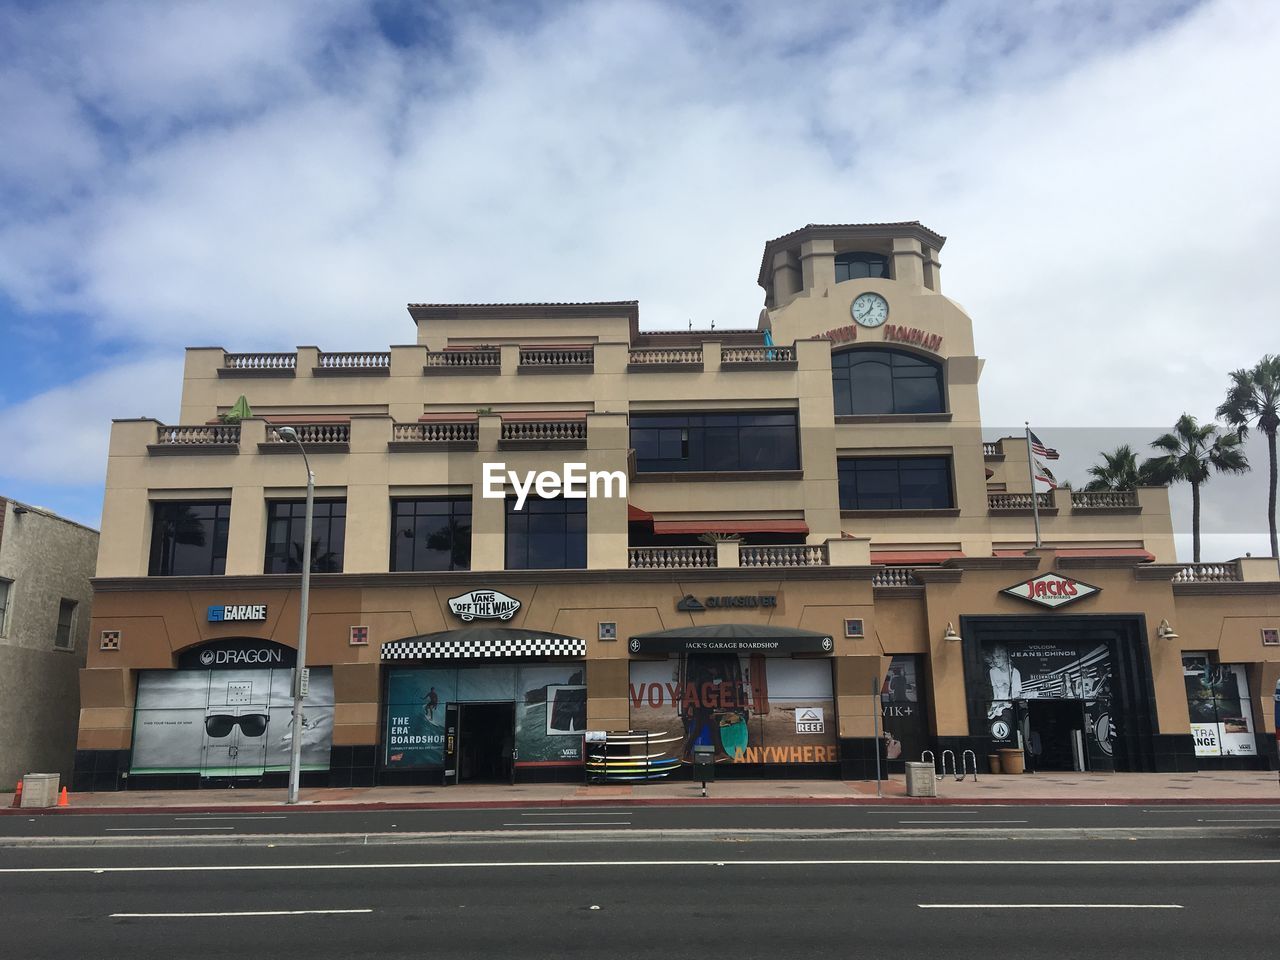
(905, 558)
(636, 515)
(670, 527)
(470, 643)
(731, 638)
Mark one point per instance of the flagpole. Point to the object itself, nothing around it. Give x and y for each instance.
(1031, 472)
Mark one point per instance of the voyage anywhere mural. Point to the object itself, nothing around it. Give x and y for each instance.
(751, 708)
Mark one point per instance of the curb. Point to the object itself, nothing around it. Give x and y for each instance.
(376, 806)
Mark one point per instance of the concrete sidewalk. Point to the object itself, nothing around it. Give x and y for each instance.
(1043, 788)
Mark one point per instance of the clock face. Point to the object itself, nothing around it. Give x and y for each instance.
(870, 310)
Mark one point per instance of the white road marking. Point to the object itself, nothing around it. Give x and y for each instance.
(1240, 820)
(551, 864)
(272, 817)
(573, 813)
(239, 913)
(140, 829)
(962, 821)
(1049, 906)
(572, 823)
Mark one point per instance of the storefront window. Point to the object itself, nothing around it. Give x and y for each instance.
(548, 534)
(433, 534)
(286, 526)
(189, 539)
(1219, 707)
(882, 381)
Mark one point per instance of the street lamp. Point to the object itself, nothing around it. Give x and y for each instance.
(290, 435)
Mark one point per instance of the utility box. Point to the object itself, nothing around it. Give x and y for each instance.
(704, 762)
(40, 790)
(921, 781)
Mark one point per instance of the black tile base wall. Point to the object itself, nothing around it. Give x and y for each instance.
(99, 771)
(858, 758)
(353, 766)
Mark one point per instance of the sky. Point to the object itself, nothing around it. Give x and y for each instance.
(258, 176)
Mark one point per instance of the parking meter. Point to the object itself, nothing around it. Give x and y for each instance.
(704, 764)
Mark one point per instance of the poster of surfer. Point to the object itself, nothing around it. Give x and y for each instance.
(751, 708)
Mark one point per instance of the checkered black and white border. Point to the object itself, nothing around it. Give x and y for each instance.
(464, 649)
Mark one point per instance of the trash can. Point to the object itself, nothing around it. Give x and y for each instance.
(993, 761)
(920, 780)
(40, 790)
(1013, 761)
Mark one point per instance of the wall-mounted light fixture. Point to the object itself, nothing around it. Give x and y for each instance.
(1165, 632)
(950, 632)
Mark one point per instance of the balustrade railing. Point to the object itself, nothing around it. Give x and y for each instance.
(787, 555)
(200, 435)
(667, 355)
(1209, 573)
(260, 361)
(991, 450)
(894, 577)
(457, 432)
(556, 357)
(544, 431)
(317, 433)
(670, 558)
(1103, 499)
(456, 359)
(1019, 501)
(732, 355)
(356, 361)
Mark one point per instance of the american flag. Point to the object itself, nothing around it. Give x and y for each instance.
(1040, 450)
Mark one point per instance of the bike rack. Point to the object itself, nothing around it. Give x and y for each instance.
(931, 761)
(952, 755)
(964, 765)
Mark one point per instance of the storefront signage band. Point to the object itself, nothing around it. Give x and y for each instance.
(483, 605)
(238, 653)
(691, 645)
(237, 612)
(690, 603)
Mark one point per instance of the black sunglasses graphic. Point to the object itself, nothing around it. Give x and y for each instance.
(219, 725)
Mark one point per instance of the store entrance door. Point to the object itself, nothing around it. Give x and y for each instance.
(1054, 726)
(485, 743)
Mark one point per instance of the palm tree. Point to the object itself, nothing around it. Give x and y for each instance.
(1120, 470)
(1254, 398)
(1193, 452)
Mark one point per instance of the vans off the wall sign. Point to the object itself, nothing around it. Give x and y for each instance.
(1051, 590)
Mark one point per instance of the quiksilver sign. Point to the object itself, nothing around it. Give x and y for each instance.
(237, 612)
(483, 605)
(1051, 590)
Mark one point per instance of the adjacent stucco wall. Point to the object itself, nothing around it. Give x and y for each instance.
(47, 558)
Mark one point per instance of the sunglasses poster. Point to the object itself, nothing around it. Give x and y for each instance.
(228, 723)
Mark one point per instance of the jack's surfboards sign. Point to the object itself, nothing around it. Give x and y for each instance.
(1051, 590)
(483, 605)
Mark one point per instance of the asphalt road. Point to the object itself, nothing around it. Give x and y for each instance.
(606, 882)
(736, 898)
(641, 819)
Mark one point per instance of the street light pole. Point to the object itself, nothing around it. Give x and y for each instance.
(288, 434)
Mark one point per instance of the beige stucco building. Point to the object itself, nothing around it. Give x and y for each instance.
(46, 563)
(815, 538)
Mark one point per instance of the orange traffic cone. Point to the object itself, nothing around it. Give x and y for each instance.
(17, 795)
(62, 798)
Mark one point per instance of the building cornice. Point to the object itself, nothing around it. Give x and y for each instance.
(846, 231)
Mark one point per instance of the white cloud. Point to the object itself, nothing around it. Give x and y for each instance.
(59, 437)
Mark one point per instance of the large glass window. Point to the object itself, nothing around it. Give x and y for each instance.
(548, 534)
(189, 539)
(715, 441)
(895, 483)
(878, 381)
(859, 264)
(432, 534)
(286, 526)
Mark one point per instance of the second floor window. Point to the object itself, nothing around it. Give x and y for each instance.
(6, 591)
(547, 534)
(895, 483)
(859, 264)
(189, 539)
(64, 638)
(286, 523)
(697, 442)
(882, 381)
(431, 534)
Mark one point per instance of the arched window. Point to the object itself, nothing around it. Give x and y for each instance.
(877, 381)
(852, 266)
